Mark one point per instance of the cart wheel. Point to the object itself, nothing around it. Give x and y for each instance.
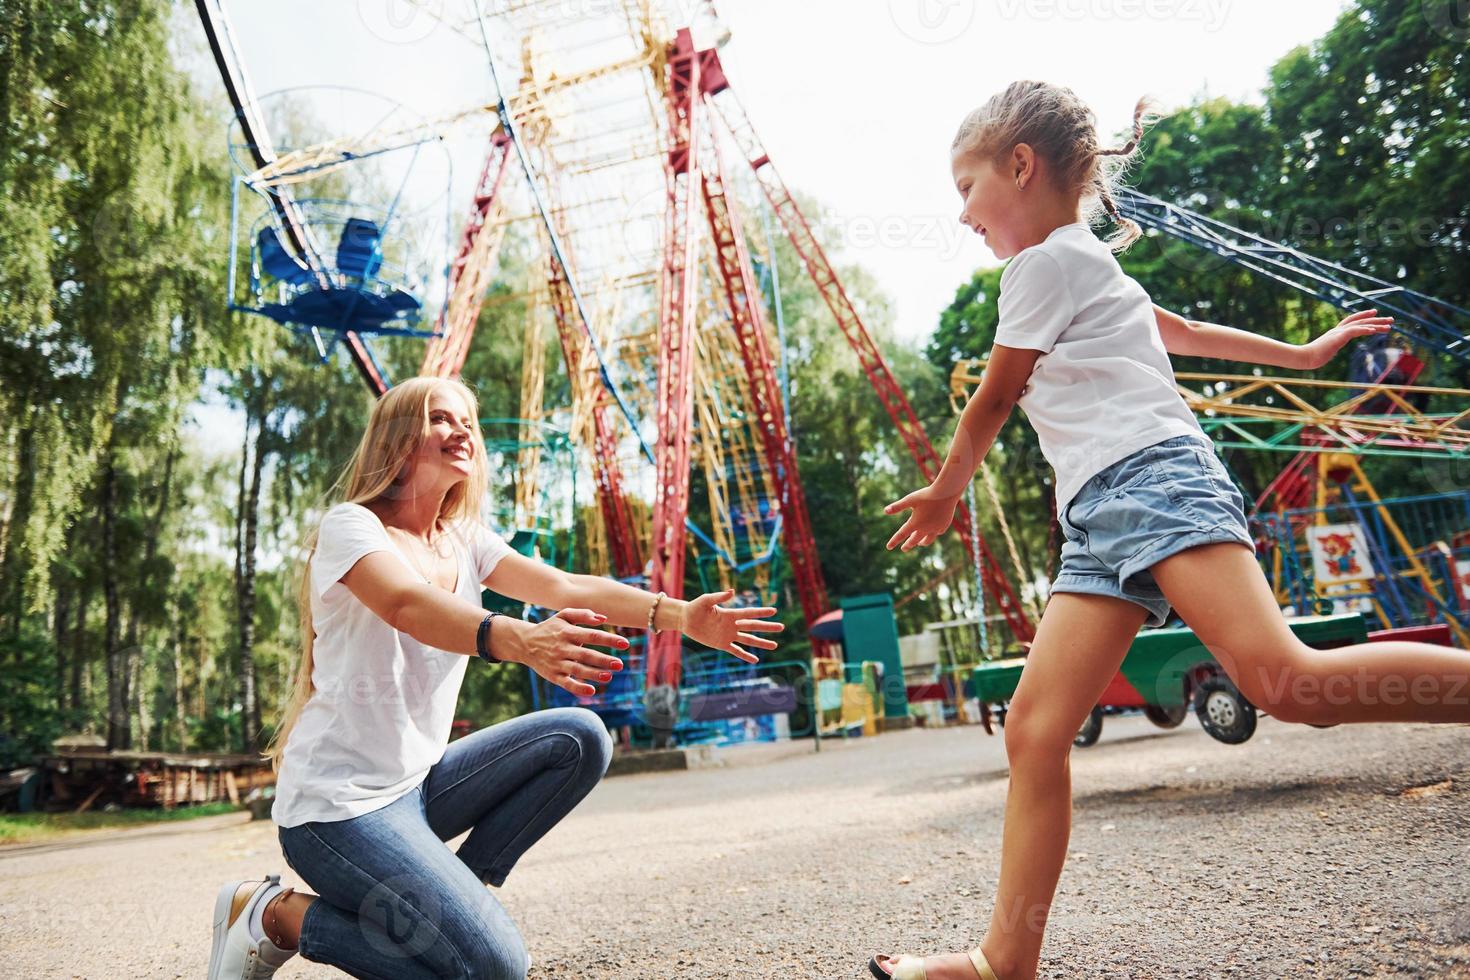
(1223, 711)
(1091, 729)
(1170, 717)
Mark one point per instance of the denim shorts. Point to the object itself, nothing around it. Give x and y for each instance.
(1167, 497)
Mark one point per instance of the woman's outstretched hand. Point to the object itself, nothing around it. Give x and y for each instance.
(557, 648)
(727, 629)
(1363, 323)
(931, 512)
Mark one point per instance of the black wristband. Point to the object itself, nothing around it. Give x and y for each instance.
(482, 640)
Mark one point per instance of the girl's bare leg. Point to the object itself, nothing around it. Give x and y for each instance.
(1079, 647)
(1222, 594)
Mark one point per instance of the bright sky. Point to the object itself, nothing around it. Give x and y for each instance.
(869, 94)
(856, 100)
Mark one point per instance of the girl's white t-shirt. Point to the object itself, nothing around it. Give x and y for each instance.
(383, 703)
(1103, 386)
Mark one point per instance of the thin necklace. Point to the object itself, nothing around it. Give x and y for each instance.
(413, 560)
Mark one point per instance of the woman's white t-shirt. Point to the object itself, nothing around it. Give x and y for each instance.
(1103, 387)
(383, 703)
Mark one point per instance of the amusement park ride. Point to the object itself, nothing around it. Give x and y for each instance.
(610, 155)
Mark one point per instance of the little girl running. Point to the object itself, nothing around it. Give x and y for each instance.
(1149, 515)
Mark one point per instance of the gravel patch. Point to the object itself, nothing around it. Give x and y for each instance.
(1303, 853)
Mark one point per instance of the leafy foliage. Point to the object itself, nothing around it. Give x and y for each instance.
(132, 596)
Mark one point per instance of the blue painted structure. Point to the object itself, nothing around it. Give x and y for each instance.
(1435, 526)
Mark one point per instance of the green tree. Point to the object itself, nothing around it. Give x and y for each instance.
(113, 218)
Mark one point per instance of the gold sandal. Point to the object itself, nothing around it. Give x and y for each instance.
(912, 967)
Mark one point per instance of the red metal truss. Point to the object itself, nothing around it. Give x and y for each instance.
(678, 284)
(889, 392)
(748, 317)
(446, 354)
(363, 360)
(606, 474)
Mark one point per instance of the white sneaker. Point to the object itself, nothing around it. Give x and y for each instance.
(235, 955)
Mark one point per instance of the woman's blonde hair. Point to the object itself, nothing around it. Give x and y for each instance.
(1063, 131)
(397, 427)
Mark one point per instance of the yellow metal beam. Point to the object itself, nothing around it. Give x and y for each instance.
(1250, 396)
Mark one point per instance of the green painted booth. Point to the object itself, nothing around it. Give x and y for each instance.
(870, 633)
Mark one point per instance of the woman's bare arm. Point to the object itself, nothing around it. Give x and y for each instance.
(557, 649)
(425, 612)
(538, 583)
(702, 619)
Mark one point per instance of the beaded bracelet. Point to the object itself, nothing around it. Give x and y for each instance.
(482, 640)
(652, 610)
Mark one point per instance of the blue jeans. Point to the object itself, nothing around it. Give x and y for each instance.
(1163, 499)
(394, 903)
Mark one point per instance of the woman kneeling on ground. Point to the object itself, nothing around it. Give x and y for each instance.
(369, 787)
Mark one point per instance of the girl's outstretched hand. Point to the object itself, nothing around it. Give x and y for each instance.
(931, 512)
(727, 629)
(1360, 324)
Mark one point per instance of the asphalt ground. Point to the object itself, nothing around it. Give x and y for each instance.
(1302, 853)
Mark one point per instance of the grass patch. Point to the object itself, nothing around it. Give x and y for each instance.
(28, 828)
